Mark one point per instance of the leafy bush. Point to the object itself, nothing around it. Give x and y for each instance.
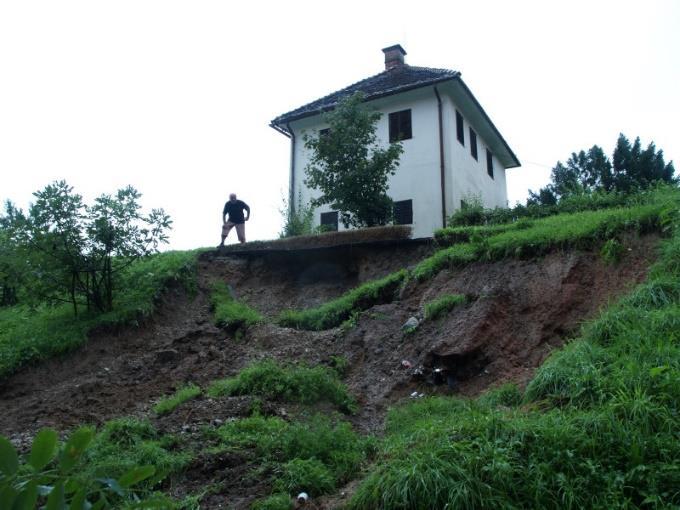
(168, 404)
(55, 477)
(333, 313)
(229, 313)
(28, 335)
(288, 383)
(298, 221)
(443, 304)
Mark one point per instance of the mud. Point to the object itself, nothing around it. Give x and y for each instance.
(518, 311)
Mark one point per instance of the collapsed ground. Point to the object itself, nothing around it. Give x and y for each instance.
(517, 312)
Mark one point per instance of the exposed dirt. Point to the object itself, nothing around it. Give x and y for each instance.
(518, 311)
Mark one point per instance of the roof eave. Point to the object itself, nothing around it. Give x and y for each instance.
(515, 160)
(280, 122)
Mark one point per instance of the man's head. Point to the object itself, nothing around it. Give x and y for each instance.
(232, 197)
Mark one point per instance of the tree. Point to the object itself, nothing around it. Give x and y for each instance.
(592, 171)
(348, 166)
(75, 251)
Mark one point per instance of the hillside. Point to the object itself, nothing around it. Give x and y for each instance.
(490, 310)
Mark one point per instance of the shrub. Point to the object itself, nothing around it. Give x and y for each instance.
(443, 304)
(168, 404)
(335, 312)
(55, 477)
(288, 383)
(229, 313)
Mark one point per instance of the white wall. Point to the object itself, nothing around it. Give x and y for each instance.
(418, 176)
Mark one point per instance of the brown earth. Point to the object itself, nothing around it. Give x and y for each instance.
(518, 311)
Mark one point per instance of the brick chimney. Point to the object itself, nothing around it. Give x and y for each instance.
(394, 57)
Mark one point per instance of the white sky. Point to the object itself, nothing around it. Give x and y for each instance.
(175, 98)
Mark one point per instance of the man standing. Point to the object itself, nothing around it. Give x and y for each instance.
(234, 208)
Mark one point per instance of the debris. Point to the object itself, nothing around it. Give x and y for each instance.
(302, 498)
(412, 323)
(415, 394)
(406, 363)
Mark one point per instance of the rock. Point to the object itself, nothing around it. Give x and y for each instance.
(217, 422)
(378, 351)
(412, 323)
(167, 356)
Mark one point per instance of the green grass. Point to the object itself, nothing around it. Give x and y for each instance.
(124, 443)
(314, 455)
(230, 314)
(30, 335)
(168, 404)
(583, 230)
(278, 501)
(335, 312)
(287, 383)
(442, 305)
(597, 427)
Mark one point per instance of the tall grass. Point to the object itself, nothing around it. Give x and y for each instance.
(168, 404)
(597, 426)
(287, 383)
(442, 305)
(30, 335)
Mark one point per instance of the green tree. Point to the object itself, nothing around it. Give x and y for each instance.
(586, 172)
(75, 251)
(349, 167)
(12, 267)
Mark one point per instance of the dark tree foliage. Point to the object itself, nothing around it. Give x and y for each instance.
(73, 252)
(348, 166)
(631, 169)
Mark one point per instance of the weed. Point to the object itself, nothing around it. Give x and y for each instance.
(230, 314)
(442, 305)
(168, 404)
(308, 475)
(288, 383)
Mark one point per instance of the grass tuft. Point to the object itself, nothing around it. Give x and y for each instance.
(168, 404)
(335, 312)
(288, 383)
(230, 314)
(442, 305)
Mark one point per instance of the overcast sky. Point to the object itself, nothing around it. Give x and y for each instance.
(175, 98)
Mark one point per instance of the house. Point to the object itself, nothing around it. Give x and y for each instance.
(452, 149)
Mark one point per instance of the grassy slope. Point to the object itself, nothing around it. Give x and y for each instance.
(27, 336)
(597, 427)
(524, 238)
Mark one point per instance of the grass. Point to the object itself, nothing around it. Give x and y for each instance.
(230, 314)
(315, 455)
(287, 383)
(124, 443)
(597, 426)
(30, 335)
(335, 312)
(442, 305)
(168, 404)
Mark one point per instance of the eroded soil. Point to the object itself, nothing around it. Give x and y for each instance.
(518, 311)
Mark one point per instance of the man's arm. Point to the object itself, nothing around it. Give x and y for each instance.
(224, 213)
(245, 206)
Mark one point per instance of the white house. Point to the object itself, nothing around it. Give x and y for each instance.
(452, 150)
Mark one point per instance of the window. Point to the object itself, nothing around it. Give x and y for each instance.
(489, 163)
(324, 132)
(460, 133)
(400, 126)
(473, 144)
(403, 212)
(329, 220)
